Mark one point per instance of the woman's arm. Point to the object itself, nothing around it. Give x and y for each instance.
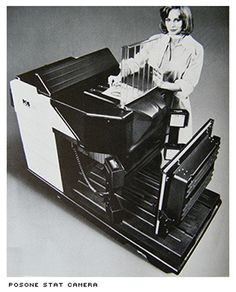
(184, 86)
(158, 80)
(171, 86)
(132, 65)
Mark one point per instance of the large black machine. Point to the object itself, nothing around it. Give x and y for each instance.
(101, 147)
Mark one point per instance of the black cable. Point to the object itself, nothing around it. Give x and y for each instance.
(77, 157)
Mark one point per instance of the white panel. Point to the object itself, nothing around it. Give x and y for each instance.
(36, 118)
(170, 153)
(177, 120)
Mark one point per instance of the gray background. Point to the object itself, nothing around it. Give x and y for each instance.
(44, 237)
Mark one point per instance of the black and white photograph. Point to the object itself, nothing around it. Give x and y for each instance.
(117, 141)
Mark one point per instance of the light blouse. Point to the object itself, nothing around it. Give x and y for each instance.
(180, 63)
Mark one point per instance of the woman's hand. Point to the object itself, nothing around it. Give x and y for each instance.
(159, 82)
(114, 80)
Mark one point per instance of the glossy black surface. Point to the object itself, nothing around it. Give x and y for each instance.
(139, 199)
(135, 135)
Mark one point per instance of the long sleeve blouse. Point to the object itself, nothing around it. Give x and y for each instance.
(180, 63)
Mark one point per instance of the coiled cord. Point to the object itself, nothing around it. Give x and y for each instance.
(77, 157)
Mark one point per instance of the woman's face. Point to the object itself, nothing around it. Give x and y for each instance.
(173, 22)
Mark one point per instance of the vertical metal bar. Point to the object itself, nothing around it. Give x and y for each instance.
(126, 58)
(126, 75)
(134, 49)
(124, 86)
(148, 77)
(122, 78)
(139, 70)
(152, 82)
(130, 91)
(122, 65)
(143, 78)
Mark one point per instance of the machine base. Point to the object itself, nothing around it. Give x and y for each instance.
(169, 253)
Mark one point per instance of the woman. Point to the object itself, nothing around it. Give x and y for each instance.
(176, 59)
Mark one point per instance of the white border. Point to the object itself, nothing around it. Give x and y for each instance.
(118, 284)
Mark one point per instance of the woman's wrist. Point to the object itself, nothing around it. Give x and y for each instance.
(170, 86)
